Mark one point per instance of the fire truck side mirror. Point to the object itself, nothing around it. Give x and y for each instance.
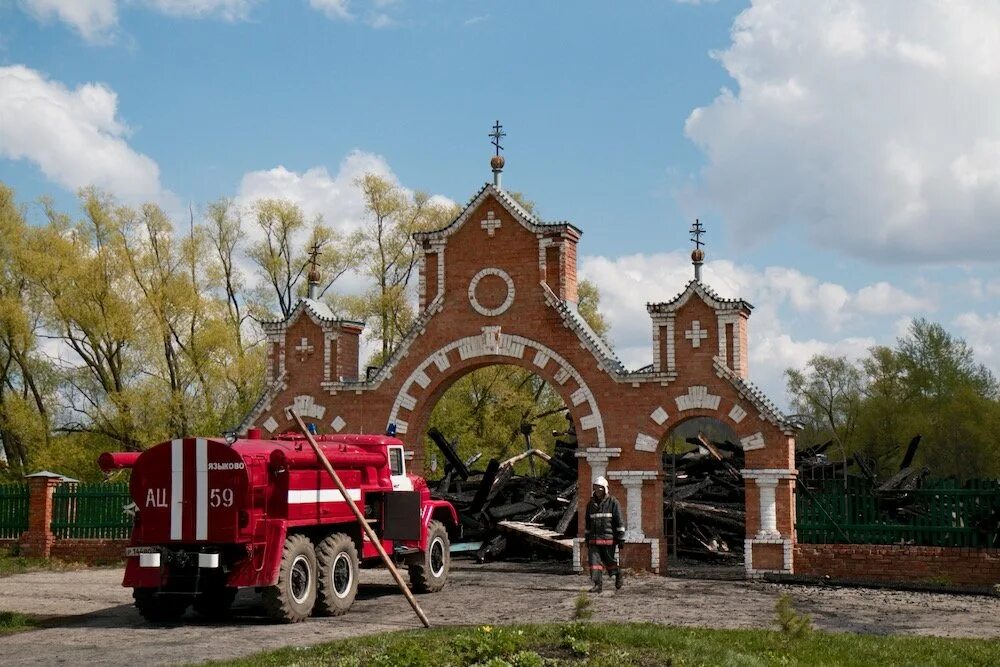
(230, 437)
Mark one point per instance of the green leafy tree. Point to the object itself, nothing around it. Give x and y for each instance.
(589, 306)
(389, 256)
(828, 393)
(485, 410)
(928, 384)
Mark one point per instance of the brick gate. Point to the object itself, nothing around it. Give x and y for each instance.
(498, 286)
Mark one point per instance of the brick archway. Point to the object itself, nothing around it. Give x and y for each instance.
(419, 393)
(497, 286)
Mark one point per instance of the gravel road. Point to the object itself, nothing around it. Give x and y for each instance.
(90, 620)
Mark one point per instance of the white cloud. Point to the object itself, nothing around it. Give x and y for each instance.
(982, 332)
(333, 9)
(74, 136)
(97, 20)
(871, 125)
(780, 294)
(335, 198)
(231, 10)
(884, 299)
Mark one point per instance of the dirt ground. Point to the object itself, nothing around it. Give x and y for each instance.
(90, 620)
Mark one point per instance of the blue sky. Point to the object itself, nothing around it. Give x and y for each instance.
(844, 156)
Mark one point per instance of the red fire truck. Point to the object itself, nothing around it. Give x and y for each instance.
(215, 515)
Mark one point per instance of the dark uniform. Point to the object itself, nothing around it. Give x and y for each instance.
(604, 531)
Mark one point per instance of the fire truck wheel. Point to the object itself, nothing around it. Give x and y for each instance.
(159, 608)
(214, 603)
(430, 573)
(292, 599)
(338, 575)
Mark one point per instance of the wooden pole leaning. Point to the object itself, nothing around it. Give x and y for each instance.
(373, 538)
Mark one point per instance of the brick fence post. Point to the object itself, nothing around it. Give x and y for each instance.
(37, 541)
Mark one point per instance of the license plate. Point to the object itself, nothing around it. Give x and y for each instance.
(135, 551)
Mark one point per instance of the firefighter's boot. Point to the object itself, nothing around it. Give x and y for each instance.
(618, 579)
(598, 578)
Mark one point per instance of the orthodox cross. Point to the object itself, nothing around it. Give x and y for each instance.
(314, 253)
(304, 349)
(497, 134)
(696, 334)
(696, 231)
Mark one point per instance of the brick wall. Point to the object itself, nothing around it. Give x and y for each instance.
(954, 566)
(89, 551)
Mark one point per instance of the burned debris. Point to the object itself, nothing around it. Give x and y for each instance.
(496, 504)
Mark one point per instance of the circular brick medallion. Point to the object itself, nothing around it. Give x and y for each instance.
(502, 308)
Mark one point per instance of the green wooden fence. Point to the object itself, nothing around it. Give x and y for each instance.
(91, 511)
(943, 513)
(13, 510)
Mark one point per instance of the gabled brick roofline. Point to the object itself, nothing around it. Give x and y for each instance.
(705, 292)
(527, 220)
(748, 390)
(318, 310)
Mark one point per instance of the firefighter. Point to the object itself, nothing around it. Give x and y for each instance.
(604, 531)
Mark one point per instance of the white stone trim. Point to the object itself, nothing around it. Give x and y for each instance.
(622, 475)
(646, 443)
(490, 224)
(768, 508)
(440, 275)
(509, 345)
(696, 334)
(671, 346)
(751, 442)
(579, 396)
(338, 424)
(598, 458)
(737, 414)
(271, 424)
(329, 343)
(422, 379)
(659, 415)
(502, 308)
(697, 397)
(769, 473)
(306, 406)
(787, 556)
(541, 359)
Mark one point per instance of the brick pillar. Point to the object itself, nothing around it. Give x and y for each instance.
(37, 541)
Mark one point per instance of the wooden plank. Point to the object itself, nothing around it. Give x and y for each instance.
(539, 534)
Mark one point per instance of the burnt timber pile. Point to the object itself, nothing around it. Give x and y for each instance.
(703, 491)
(495, 504)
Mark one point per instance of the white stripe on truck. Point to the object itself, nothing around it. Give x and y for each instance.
(176, 488)
(201, 463)
(303, 496)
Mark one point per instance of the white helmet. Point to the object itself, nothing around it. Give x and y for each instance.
(600, 481)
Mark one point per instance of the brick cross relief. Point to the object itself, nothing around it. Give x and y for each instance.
(696, 334)
(490, 224)
(304, 349)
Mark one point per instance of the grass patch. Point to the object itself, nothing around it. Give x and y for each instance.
(11, 563)
(608, 644)
(11, 621)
